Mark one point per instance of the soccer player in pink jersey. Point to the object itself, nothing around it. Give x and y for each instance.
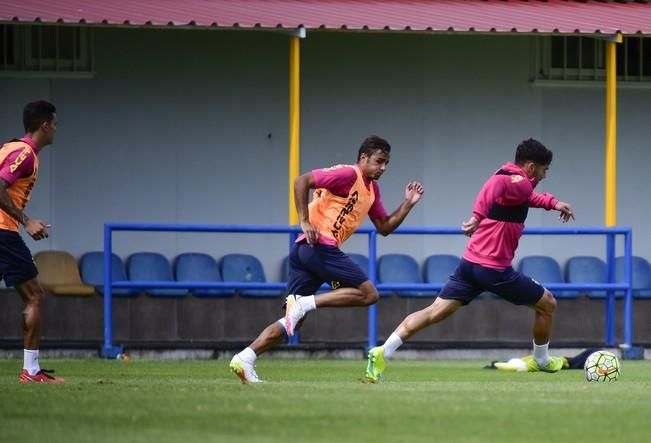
(494, 228)
(344, 195)
(18, 173)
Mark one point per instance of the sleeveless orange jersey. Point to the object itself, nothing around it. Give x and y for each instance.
(336, 217)
(20, 191)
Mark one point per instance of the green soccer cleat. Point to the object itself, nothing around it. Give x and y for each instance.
(554, 364)
(376, 364)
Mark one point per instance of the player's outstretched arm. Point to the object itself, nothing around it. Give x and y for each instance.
(413, 193)
(566, 211)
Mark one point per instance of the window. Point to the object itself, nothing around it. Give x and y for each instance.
(584, 58)
(46, 50)
(7, 45)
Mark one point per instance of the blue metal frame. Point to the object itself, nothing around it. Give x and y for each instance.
(111, 350)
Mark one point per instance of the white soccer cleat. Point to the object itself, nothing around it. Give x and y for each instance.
(293, 313)
(245, 371)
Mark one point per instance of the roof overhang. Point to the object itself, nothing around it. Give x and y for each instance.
(537, 17)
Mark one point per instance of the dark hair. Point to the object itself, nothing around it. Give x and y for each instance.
(371, 144)
(35, 113)
(532, 150)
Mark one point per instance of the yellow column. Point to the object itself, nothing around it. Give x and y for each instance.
(611, 131)
(294, 122)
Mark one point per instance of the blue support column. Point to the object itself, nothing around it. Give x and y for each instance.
(108, 350)
(628, 301)
(610, 295)
(629, 352)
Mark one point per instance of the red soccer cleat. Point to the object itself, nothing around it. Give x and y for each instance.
(41, 376)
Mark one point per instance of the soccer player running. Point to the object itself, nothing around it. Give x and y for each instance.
(494, 229)
(344, 195)
(18, 172)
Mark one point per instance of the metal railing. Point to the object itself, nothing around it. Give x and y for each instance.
(110, 349)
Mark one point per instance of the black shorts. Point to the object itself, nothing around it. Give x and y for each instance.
(16, 262)
(311, 266)
(470, 279)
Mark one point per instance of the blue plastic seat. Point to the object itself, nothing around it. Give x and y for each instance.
(544, 269)
(401, 268)
(194, 267)
(91, 268)
(641, 276)
(439, 267)
(586, 269)
(152, 266)
(246, 268)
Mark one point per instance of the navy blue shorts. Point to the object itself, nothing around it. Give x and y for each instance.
(311, 266)
(16, 262)
(470, 279)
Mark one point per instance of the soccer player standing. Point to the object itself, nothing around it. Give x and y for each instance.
(344, 195)
(494, 229)
(18, 172)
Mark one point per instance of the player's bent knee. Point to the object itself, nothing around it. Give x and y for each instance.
(372, 297)
(32, 293)
(369, 293)
(548, 303)
(37, 299)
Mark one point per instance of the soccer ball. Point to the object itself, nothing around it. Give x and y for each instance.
(602, 366)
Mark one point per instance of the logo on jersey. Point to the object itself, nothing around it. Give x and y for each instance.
(335, 284)
(341, 218)
(19, 160)
(516, 178)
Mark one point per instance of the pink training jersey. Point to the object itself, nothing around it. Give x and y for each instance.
(494, 242)
(13, 168)
(19, 168)
(339, 181)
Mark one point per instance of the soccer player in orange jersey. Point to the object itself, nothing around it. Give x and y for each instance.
(344, 195)
(18, 172)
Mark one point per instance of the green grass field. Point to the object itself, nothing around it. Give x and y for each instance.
(321, 401)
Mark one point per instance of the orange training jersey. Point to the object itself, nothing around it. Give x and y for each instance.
(21, 189)
(336, 217)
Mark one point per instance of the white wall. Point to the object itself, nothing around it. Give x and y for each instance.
(191, 127)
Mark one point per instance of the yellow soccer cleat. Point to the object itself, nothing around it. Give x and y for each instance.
(376, 364)
(554, 364)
